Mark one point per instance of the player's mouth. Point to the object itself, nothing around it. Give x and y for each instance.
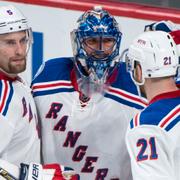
(18, 61)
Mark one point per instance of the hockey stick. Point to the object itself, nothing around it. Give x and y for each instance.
(6, 175)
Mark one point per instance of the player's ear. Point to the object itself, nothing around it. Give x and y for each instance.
(138, 73)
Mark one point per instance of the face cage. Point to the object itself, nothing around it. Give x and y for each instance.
(95, 65)
(103, 47)
(91, 83)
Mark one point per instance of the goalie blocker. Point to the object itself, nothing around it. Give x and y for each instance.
(35, 171)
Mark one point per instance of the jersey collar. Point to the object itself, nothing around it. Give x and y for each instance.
(167, 95)
(6, 77)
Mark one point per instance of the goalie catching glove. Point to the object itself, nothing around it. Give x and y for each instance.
(35, 171)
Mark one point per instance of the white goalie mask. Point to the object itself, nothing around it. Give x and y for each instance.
(12, 20)
(157, 54)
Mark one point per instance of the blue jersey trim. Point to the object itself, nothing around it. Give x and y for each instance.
(131, 124)
(9, 99)
(123, 101)
(53, 91)
(173, 123)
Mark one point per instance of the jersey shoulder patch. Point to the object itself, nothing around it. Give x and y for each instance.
(54, 69)
(53, 77)
(164, 114)
(123, 89)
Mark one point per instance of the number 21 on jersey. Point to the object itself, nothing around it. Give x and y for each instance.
(147, 149)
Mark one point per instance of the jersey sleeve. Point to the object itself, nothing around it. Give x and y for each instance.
(151, 152)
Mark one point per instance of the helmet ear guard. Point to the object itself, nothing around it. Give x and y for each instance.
(157, 54)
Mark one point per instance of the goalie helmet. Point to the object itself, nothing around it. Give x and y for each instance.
(95, 68)
(157, 54)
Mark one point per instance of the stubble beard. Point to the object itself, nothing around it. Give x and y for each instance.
(16, 68)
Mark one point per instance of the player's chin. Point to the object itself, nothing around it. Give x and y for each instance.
(18, 68)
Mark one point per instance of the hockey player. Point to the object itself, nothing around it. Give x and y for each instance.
(86, 102)
(18, 119)
(172, 29)
(18, 132)
(153, 136)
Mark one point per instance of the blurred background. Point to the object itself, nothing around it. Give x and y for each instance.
(157, 3)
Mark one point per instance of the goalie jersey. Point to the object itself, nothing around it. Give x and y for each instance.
(18, 122)
(89, 136)
(153, 139)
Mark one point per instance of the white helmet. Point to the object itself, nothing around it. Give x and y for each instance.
(12, 20)
(157, 54)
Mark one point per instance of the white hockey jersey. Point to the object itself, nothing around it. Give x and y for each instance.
(153, 139)
(18, 122)
(90, 138)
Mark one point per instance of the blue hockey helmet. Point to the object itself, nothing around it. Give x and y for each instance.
(96, 44)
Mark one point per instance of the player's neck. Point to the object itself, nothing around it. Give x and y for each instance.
(155, 88)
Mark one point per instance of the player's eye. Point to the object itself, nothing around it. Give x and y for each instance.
(24, 41)
(10, 42)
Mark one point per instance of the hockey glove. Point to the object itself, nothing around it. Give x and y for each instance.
(47, 172)
(35, 171)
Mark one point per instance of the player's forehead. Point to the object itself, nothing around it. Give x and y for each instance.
(13, 35)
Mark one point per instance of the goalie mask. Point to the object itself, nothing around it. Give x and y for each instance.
(157, 54)
(12, 20)
(96, 44)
